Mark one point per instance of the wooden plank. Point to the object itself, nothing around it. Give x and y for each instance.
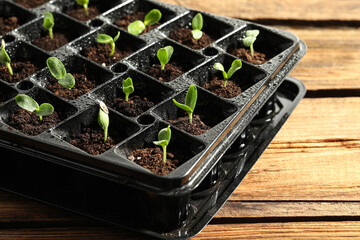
(279, 9)
(273, 210)
(332, 59)
(297, 230)
(292, 230)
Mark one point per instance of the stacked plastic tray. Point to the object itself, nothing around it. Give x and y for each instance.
(109, 186)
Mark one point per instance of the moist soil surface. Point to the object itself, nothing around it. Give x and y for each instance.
(83, 83)
(30, 124)
(21, 70)
(100, 53)
(132, 108)
(216, 86)
(79, 13)
(197, 127)
(92, 141)
(126, 20)
(184, 36)
(8, 24)
(152, 159)
(31, 3)
(171, 72)
(59, 39)
(245, 54)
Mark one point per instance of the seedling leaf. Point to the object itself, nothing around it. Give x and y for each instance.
(250, 38)
(106, 39)
(103, 119)
(164, 55)
(197, 25)
(235, 66)
(29, 104)
(252, 33)
(56, 67)
(190, 102)
(248, 41)
(4, 57)
(136, 27)
(49, 23)
(164, 137)
(197, 34)
(128, 88)
(152, 17)
(68, 81)
(84, 4)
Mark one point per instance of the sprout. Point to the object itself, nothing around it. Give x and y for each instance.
(49, 23)
(236, 65)
(151, 18)
(84, 4)
(27, 103)
(164, 55)
(4, 57)
(128, 88)
(250, 38)
(58, 70)
(197, 25)
(190, 102)
(103, 38)
(103, 119)
(164, 137)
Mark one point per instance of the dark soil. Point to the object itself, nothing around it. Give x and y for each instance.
(92, 141)
(245, 54)
(83, 84)
(8, 24)
(48, 44)
(126, 20)
(152, 159)
(197, 127)
(216, 86)
(30, 124)
(79, 13)
(31, 3)
(184, 36)
(100, 53)
(171, 72)
(21, 70)
(134, 107)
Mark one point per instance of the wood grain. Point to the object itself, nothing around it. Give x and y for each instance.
(277, 9)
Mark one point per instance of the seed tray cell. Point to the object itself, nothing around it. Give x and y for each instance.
(110, 186)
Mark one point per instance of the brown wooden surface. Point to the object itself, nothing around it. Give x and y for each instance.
(307, 183)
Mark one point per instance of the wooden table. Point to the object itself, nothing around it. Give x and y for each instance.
(307, 183)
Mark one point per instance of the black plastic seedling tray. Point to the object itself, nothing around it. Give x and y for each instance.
(109, 186)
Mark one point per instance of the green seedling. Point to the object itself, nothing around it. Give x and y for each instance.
(4, 57)
(84, 4)
(190, 102)
(164, 137)
(58, 70)
(103, 119)
(49, 23)
(106, 39)
(197, 25)
(139, 26)
(128, 88)
(250, 38)
(236, 65)
(164, 55)
(27, 103)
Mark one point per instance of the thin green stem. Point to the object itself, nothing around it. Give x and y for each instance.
(41, 118)
(164, 154)
(126, 97)
(105, 134)
(190, 117)
(162, 67)
(252, 50)
(51, 33)
(86, 9)
(10, 68)
(112, 48)
(225, 81)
